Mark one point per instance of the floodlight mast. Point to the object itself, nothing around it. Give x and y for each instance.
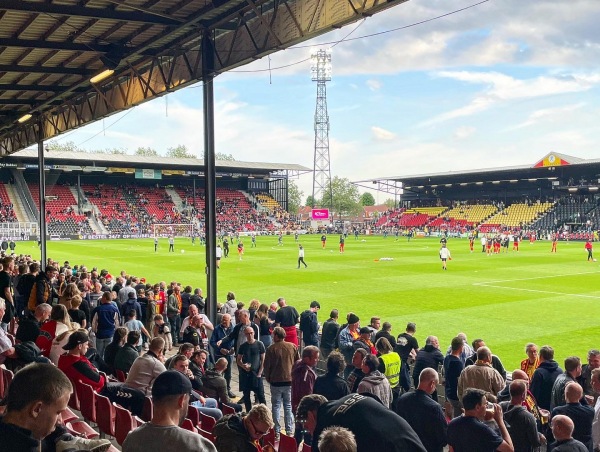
(321, 73)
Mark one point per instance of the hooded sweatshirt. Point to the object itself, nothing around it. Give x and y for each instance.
(543, 381)
(232, 435)
(229, 308)
(309, 327)
(377, 384)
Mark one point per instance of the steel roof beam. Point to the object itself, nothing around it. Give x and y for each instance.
(56, 45)
(82, 11)
(44, 70)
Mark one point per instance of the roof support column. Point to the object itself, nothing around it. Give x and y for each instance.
(42, 193)
(210, 176)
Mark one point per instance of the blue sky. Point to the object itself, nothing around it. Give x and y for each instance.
(502, 83)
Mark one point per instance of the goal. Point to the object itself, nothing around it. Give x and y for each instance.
(177, 230)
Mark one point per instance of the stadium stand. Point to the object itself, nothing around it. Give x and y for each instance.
(7, 212)
(519, 214)
(267, 201)
(61, 208)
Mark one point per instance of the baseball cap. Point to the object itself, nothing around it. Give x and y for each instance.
(365, 330)
(75, 339)
(171, 382)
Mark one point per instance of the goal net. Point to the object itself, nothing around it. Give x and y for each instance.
(176, 230)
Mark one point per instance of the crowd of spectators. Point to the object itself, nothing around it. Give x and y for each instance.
(378, 389)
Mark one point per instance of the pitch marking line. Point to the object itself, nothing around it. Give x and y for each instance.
(491, 284)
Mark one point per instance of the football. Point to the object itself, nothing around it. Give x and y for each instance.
(182, 251)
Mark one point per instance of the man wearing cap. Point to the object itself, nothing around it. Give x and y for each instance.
(309, 325)
(78, 368)
(348, 335)
(364, 341)
(170, 396)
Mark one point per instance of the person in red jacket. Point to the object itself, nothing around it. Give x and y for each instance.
(588, 247)
(79, 369)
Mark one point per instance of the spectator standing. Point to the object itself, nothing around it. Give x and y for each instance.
(280, 358)
(423, 414)
(250, 361)
(544, 377)
(331, 385)
(468, 433)
(309, 325)
(105, 319)
(329, 334)
(407, 347)
(287, 317)
(428, 356)
(303, 382)
(453, 366)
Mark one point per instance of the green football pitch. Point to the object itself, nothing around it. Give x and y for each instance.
(506, 299)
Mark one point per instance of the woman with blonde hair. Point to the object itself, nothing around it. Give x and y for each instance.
(70, 293)
(261, 319)
(58, 324)
(253, 308)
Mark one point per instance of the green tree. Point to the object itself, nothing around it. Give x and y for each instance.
(294, 197)
(68, 146)
(180, 152)
(115, 151)
(366, 199)
(146, 152)
(310, 201)
(390, 203)
(345, 197)
(223, 156)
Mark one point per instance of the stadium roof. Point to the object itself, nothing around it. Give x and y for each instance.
(554, 166)
(86, 160)
(50, 50)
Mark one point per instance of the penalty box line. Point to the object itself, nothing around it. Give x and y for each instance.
(493, 284)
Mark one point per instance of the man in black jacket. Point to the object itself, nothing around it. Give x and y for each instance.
(329, 334)
(374, 426)
(428, 356)
(544, 377)
(309, 325)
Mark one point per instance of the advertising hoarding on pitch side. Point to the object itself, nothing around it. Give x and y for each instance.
(320, 214)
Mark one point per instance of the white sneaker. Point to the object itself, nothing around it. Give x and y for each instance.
(77, 444)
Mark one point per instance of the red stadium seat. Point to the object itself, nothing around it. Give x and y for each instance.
(193, 415)
(287, 443)
(87, 402)
(81, 428)
(226, 409)
(188, 425)
(208, 435)
(124, 423)
(68, 416)
(105, 415)
(147, 410)
(207, 422)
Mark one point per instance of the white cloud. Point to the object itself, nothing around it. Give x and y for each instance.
(374, 85)
(503, 88)
(549, 114)
(380, 134)
(464, 132)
